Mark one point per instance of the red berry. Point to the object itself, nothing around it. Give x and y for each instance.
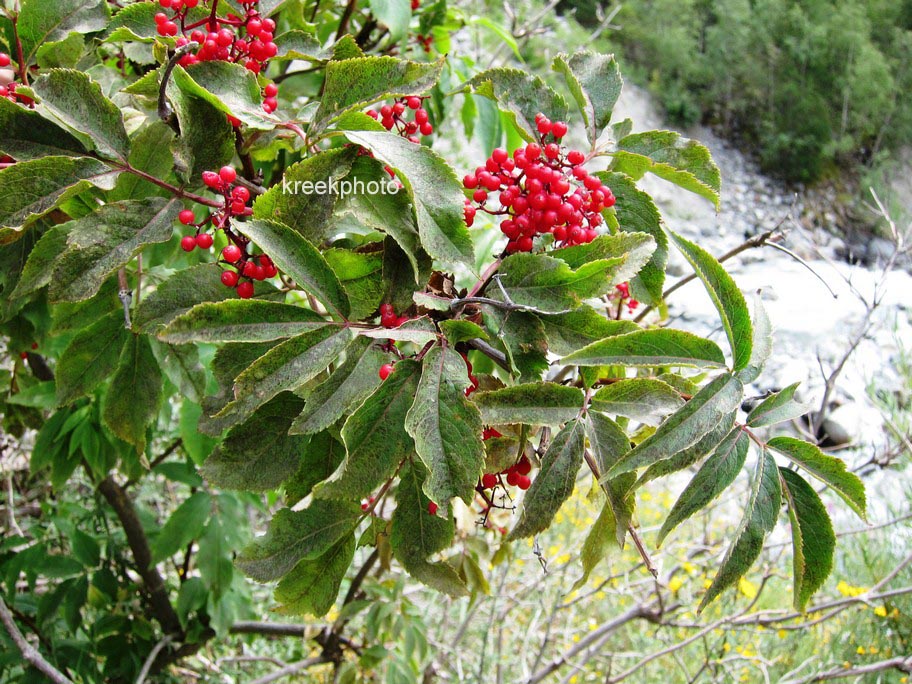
(229, 278)
(204, 241)
(228, 174)
(34, 345)
(186, 217)
(385, 371)
(271, 90)
(559, 129)
(489, 480)
(211, 179)
(241, 194)
(513, 478)
(231, 253)
(413, 102)
(188, 243)
(23, 355)
(245, 290)
(524, 466)
(523, 482)
(4, 59)
(575, 157)
(432, 508)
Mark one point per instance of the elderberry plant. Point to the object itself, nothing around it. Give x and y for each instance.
(358, 352)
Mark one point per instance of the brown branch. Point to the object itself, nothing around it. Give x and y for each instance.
(159, 602)
(29, 652)
(269, 629)
(901, 663)
(288, 670)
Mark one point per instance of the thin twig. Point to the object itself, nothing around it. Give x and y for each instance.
(289, 670)
(150, 659)
(29, 652)
(165, 112)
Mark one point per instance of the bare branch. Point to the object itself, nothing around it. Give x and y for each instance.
(29, 652)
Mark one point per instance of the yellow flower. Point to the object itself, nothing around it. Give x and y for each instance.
(726, 647)
(707, 583)
(689, 567)
(748, 588)
(675, 584)
(880, 611)
(782, 634)
(860, 650)
(847, 589)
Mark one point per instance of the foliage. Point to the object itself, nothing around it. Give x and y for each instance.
(807, 83)
(355, 354)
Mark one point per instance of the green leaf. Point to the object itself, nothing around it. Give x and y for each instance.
(207, 138)
(554, 483)
(759, 519)
(44, 21)
(151, 154)
(294, 536)
(191, 596)
(654, 347)
(813, 540)
(437, 198)
(90, 357)
(826, 468)
(777, 408)
(108, 239)
(238, 320)
(308, 194)
(184, 525)
(321, 458)
(687, 457)
(568, 332)
(39, 268)
(28, 135)
(534, 403)
(666, 154)
(347, 387)
(312, 586)
(643, 399)
(132, 401)
(727, 297)
(719, 471)
(178, 294)
(375, 437)
(387, 212)
(524, 340)
(356, 83)
(762, 343)
(608, 441)
(595, 83)
(181, 365)
(361, 276)
(259, 454)
(636, 212)
(446, 428)
(462, 331)
(550, 285)
(228, 87)
(520, 96)
(298, 44)
(396, 15)
(597, 543)
(74, 101)
(213, 559)
(285, 367)
(634, 249)
(685, 426)
(416, 535)
(299, 259)
(33, 188)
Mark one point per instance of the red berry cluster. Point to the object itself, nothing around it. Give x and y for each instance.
(424, 41)
(517, 475)
(623, 294)
(542, 189)
(223, 39)
(9, 90)
(416, 4)
(249, 267)
(388, 317)
(392, 116)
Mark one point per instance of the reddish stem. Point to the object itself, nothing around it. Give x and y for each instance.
(173, 189)
(20, 56)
